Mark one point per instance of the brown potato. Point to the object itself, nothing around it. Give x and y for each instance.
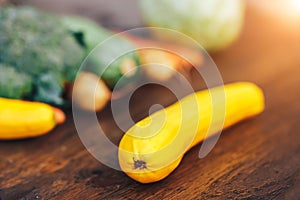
(89, 92)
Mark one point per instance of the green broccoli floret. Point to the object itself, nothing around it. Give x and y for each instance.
(14, 84)
(37, 43)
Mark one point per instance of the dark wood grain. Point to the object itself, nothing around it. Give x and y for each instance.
(256, 159)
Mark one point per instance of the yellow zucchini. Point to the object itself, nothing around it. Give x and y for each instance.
(23, 119)
(154, 147)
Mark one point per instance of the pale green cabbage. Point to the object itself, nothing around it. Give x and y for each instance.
(215, 24)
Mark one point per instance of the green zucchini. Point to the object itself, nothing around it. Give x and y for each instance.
(108, 59)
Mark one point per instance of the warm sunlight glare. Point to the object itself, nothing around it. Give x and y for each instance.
(288, 10)
(296, 5)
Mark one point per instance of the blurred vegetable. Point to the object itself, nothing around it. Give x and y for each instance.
(89, 92)
(59, 115)
(14, 84)
(38, 45)
(22, 119)
(175, 58)
(160, 65)
(87, 32)
(214, 24)
(48, 89)
(154, 147)
(108, 60)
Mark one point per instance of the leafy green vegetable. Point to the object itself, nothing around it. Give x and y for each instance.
(37, 44)
(215, 24)
(14, 84)
(105, 59)
(48, 87)
(87, 32)
(39, 52)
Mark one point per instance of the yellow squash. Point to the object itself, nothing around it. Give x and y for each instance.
(154, 147)
(22, 119)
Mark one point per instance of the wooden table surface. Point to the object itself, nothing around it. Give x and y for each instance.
(256, 159)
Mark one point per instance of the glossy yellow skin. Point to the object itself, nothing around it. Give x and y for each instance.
(154, 147)
(21, 119)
